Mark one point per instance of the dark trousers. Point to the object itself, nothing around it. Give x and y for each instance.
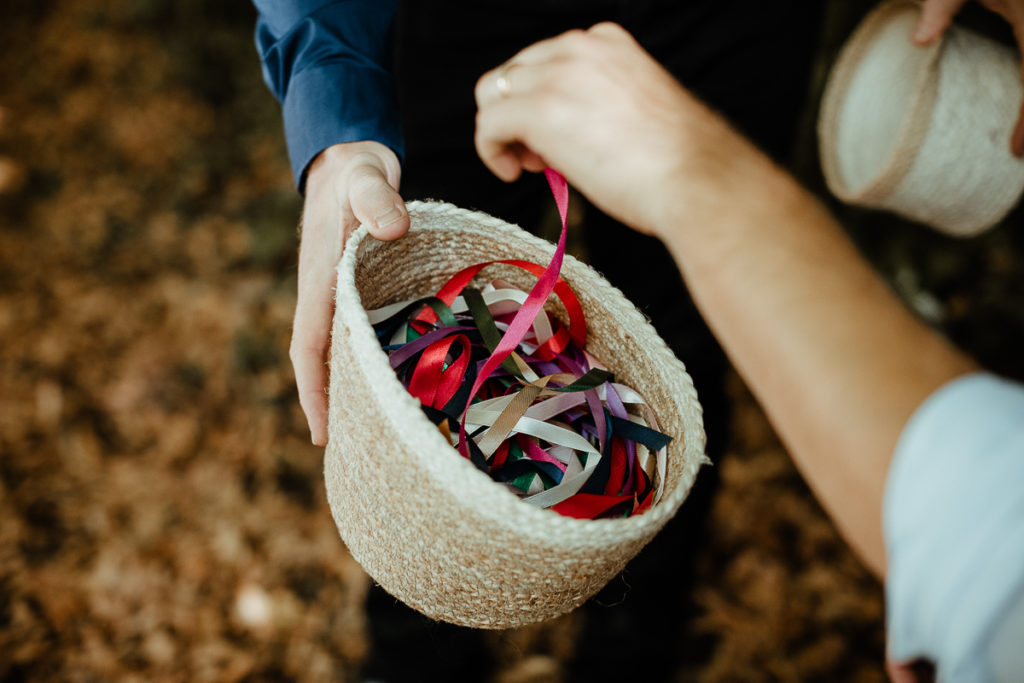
(750, 61)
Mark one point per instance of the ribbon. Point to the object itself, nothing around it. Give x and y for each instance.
(533, 408)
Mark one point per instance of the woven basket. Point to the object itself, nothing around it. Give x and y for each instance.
(923, 131)
(433, 530)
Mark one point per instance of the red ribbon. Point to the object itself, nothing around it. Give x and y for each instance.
(588, 505)
(431, 383)
(551, 348)
(442, 366)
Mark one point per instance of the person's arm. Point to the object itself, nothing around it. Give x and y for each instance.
(837, 362)
(329, 64)
(835, 359)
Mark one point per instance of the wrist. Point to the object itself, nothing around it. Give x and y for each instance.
(716, 176)
(741, 196)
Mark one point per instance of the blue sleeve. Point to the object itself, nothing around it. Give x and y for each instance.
(329, 65)
(953, 515)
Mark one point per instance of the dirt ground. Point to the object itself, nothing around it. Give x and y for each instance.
(162, 513)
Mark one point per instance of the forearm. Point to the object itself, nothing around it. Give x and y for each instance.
(836, 360)
(833, 356)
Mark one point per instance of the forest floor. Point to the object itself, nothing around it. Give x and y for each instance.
(162, 512)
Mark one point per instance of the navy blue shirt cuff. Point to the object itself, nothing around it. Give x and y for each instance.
(338, 102)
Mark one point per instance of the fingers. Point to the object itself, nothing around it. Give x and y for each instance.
(524, 104)
(519, 79)
(508, 96)
(376, 204)
(518, 82)
(936, 16)
(311, 378)
(502, 118)
(547, 49)
(918, 671)
(347, 184)
(611, 30)
(570, 42)
(1013, 12)
(528, 159)
(499, 138)
(314, 311)
(488, 89)
(1017, 139)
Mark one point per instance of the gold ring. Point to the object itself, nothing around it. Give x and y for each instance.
(502, 83)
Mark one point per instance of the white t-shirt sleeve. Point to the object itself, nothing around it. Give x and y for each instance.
(953, 516)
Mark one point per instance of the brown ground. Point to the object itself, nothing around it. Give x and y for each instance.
(162, 514)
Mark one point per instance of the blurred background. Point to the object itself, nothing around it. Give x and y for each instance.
(162, 513)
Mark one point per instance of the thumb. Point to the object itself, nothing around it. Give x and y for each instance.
(936, 16)
(376, 204)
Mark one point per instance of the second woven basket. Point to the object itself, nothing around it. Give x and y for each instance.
(923, 131)
(433, 530)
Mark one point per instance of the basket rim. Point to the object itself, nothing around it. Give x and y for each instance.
(900, 159)
(457, 474)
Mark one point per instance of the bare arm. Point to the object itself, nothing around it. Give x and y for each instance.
(835, 359)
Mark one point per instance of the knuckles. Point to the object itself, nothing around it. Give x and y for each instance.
(610, 30)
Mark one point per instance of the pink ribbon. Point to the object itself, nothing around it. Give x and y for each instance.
(533, 305)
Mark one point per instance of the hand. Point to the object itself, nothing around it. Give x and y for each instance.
(347, 184)
(917, 671)
(594, 105)
(789, 297)
(936, 16)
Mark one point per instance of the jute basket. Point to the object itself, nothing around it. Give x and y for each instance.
(433, 530)
(923, 131)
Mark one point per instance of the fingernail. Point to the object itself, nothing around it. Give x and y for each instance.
(392, 215)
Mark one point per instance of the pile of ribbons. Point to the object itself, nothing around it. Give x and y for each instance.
(515, 391)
